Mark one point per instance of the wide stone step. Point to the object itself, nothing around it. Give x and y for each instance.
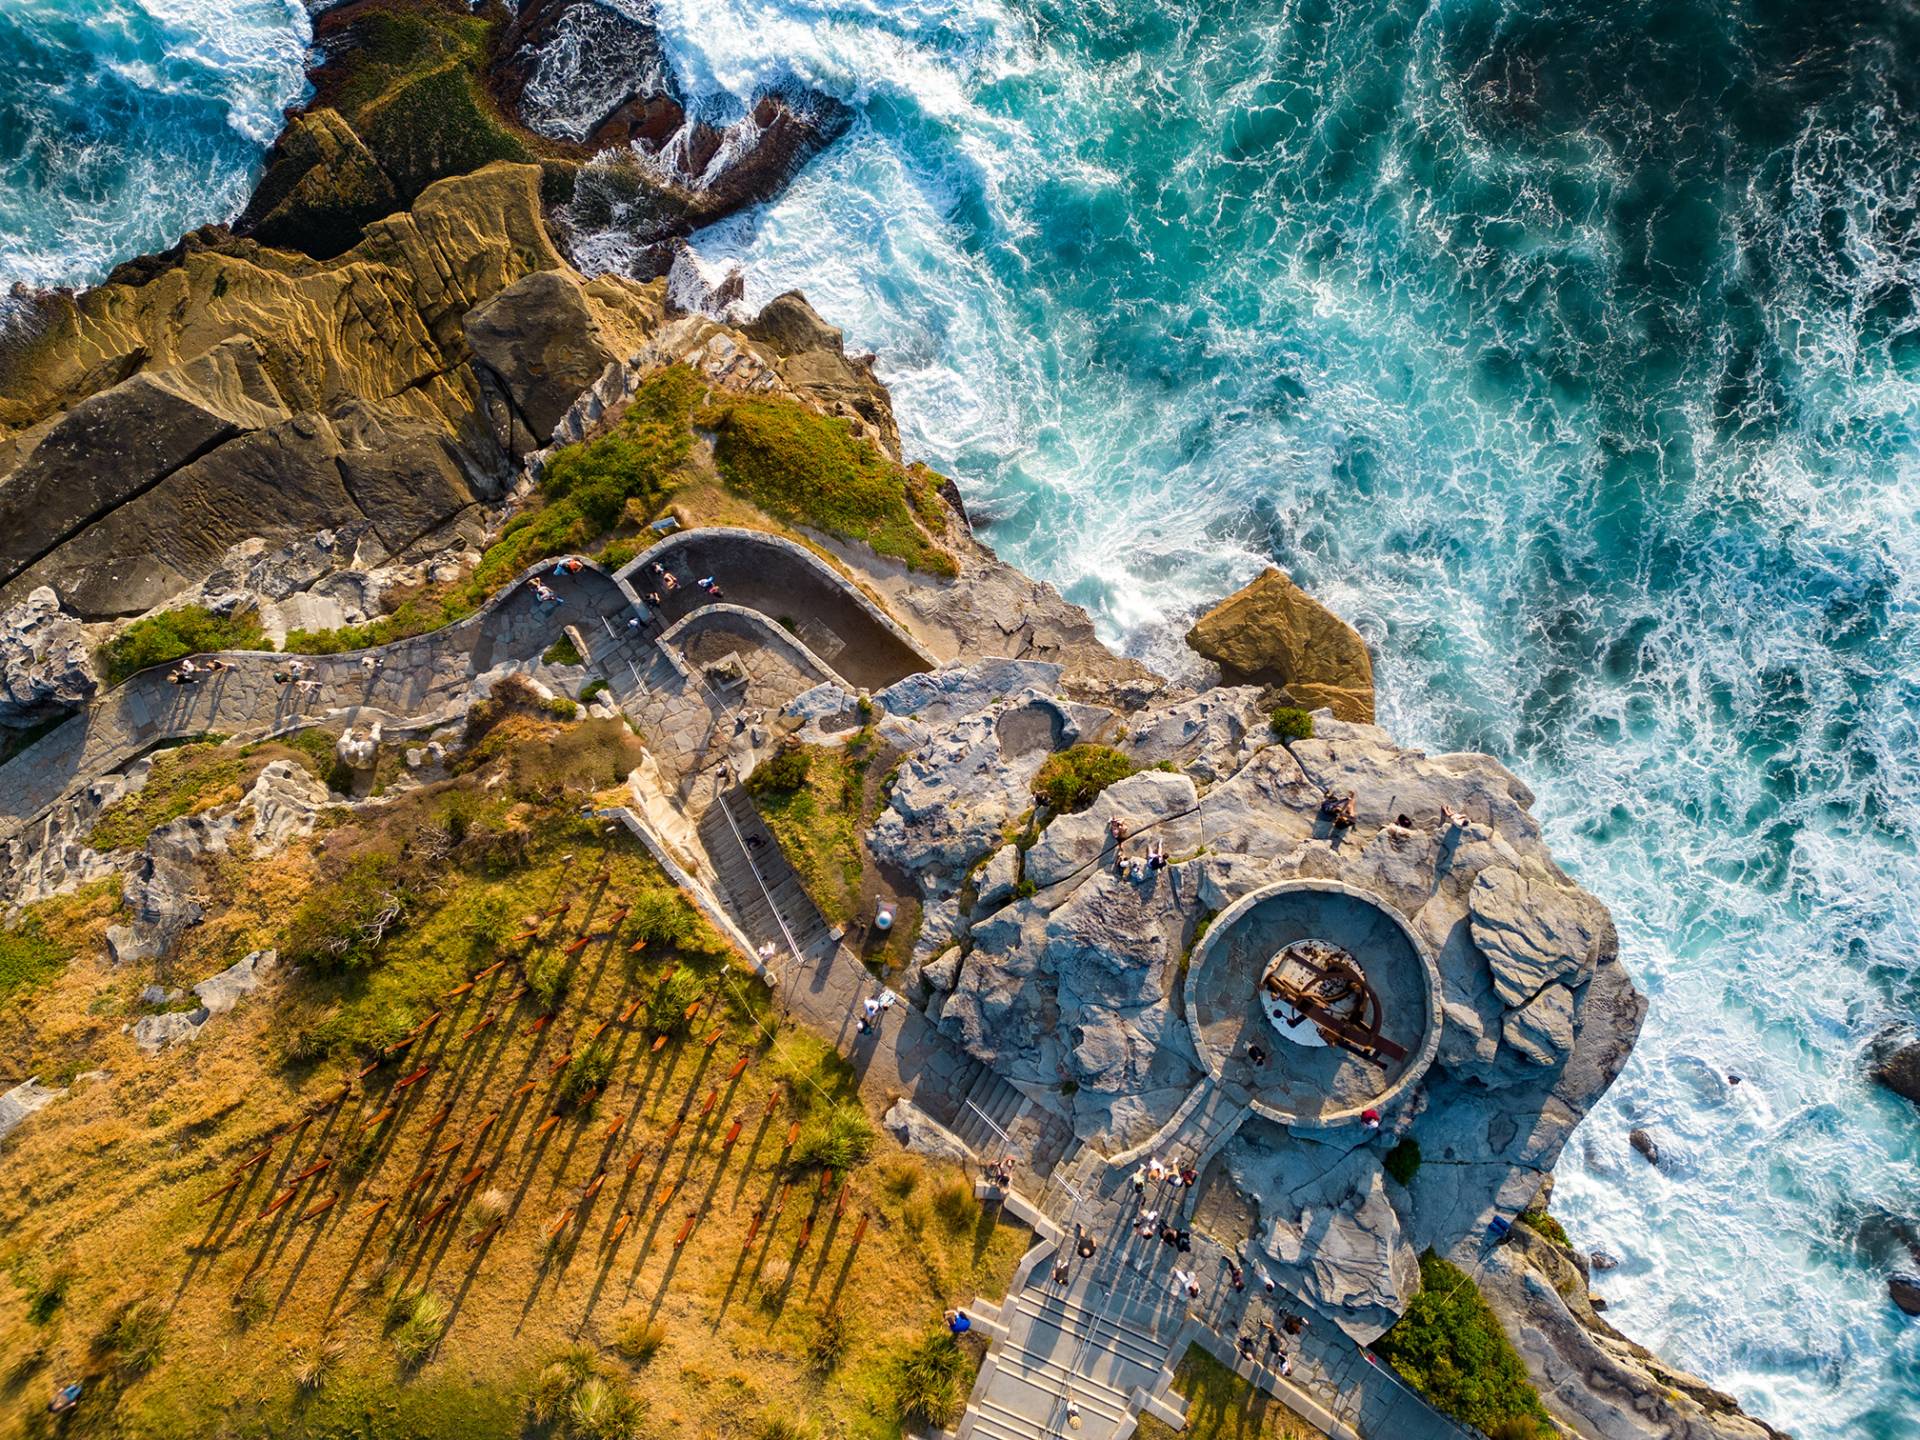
(1042, 1412)
(1142, 1347)
(1095, 1395)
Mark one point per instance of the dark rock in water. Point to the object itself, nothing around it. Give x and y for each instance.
(1596, 1302)
(588, 72)
(1601, 1260)
(1904, 1287)
(1898, 1068)
(1643, 1142)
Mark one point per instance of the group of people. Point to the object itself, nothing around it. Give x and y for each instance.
(1135, 867)
(665, 582)
(188, 673)
(873, 1007)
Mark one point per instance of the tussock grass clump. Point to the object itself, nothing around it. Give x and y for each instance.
(637, 1338)
(930, 1380)
(1071, 779)
(314, 1366)
(416, 1319)
(954, 1203)
(828, 1345)
(838, 1138)
(586, 1074)
(136, 1336)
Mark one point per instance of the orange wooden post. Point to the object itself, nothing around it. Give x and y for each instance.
(226, 1189)
(633, 1161)
(614, 1129)
(399, 1047)
(518, 996)
(318, 1210)
(826, 1182)
(620, 1226)
(441, 1116)
(753, 1229)
(713, 1099)
(434, 1214)
(485, 1235)
(668, 973)
(692, 1010)
(591, 1096)
(371, 1066)
(593, 1186)
(471, 1177)
(733, 1133)
(490, 971)
(686, 1229)
(526, 1089)
(600, 1029)
(546, 1125)
(432, 1020)
(557, 1066)
(448, 1148)
(540, 1023)
(278, 1204)
(806, 1233)
(718, 1031)
(773, 1101)
(321, 1106)
(793, 1134)
(523, 936)
(739, 1066)
(415, 1078)
(840, 1203)
(859, 1230)
(626, 1015)
(619, 915)
(486, 1125)
(578, 945)
(378, 1209)
(421, 1179)
(659, 1044)
(558, 910)
(461, 989)
(637, 946)
(380, 1119)
(482, 1023)
(674, 1128)
(252, 1161)
(780, 1200)
(666, 1194)
(314, 1169)
(566, 1218)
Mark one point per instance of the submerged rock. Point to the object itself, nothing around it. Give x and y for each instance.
(1641, 1141)
(1899, 1071)
(1904, 1287)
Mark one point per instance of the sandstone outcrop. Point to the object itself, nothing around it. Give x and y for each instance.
(1271, 632)
(45, 667)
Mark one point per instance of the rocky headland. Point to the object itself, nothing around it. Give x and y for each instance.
(370, 382)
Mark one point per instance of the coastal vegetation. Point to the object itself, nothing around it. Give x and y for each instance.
(168, 635)
(1073, 778)
(427, 935)
(1290, 723)
(1450, 1348)
(811, 799)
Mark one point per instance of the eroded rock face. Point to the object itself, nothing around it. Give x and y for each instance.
(45, 666)
(1273, 633)
(921, 1133)
(1343, 1248)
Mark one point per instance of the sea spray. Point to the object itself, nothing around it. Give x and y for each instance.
(126, 123)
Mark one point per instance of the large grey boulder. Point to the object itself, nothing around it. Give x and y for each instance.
(1344, 1249)
(921, 1133)
(1209, 737)
(220, 993)
(1534, 931)
(45, 667)
(1542, 1029)
(21, 1101)
(1141, 802)
(285, 800)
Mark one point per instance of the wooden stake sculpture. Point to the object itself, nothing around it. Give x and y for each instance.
(419, 1180)
(614, 1129)
(380, 1119)
(780, 1200)
(674, 1128)
(415, 1078)
(633, 1160)
(434, 1214)
(637, 946)
(578, 945)
(472, 1177)
(626, 1015)
(440, 1117)
(490, 971)
(666, 1194)
(371, 1066)
(448, 1148)
(733, 1133)
(593, 1187)
(620, 1226)
(526, 1089)
(378, 1209)
(461, 989)
(546, 1125)
(826, 1183)
(566, 1219)
(485, 1125)
(717, 1032)
(773, 1101)
(739, 1067)
(481, 1024)
(793, 1134)
(277, 1205)
(318, 1210)
(314, 1169)
(559, 1065)
(692, 1010)
(252, 1160)
(753, 1228)
(226, 1189)
(558, 910)
(659, 1044)
(686, 1229)
(523, 937)
(540, 1023)
(485, 1235)
(806, 1234)
(859, 1230)
(713, 1099)
(600, 1029)
(518, 995)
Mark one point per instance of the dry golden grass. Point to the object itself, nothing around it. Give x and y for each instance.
(117, 1200)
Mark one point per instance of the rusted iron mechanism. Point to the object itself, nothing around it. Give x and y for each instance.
(1316, 994)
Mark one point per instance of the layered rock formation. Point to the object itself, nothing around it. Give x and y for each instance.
(1271, 632)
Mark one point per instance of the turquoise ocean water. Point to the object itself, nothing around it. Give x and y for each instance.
(1569, 349)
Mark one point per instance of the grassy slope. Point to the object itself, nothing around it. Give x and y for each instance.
(117, 1186)
(1222, 1406)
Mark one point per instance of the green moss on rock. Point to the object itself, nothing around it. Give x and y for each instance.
(1451, 1349)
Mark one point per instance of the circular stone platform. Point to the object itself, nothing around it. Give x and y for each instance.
(1311, 1083)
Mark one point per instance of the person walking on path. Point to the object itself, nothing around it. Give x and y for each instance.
(870, 1014)
(1140, 1182)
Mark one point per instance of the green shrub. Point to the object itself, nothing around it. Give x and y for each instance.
(342, 925)
(929, 1381)
(1403, 1160)
(592, 689)
(1541, 1223)
(28, 958)
(781, 773)
(838, 1138)
(1450, 1348)
(813, 469)
(1290, 723)
(173, 634)
(667, 1006)
(562, 652)
(1072, 778)
(561, 708)
(601, 1410)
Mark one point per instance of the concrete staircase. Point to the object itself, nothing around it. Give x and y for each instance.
(753, 889)
(1108, 1353)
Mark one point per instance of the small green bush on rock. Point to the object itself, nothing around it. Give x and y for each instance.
(173, 634)
(781, 773)
(1403, 1161)
(1071, 779)
(1290, 723)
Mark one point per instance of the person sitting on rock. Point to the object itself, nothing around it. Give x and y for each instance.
(1156, 855)
(544, 593)
(1117, 828)
(1345, 813)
